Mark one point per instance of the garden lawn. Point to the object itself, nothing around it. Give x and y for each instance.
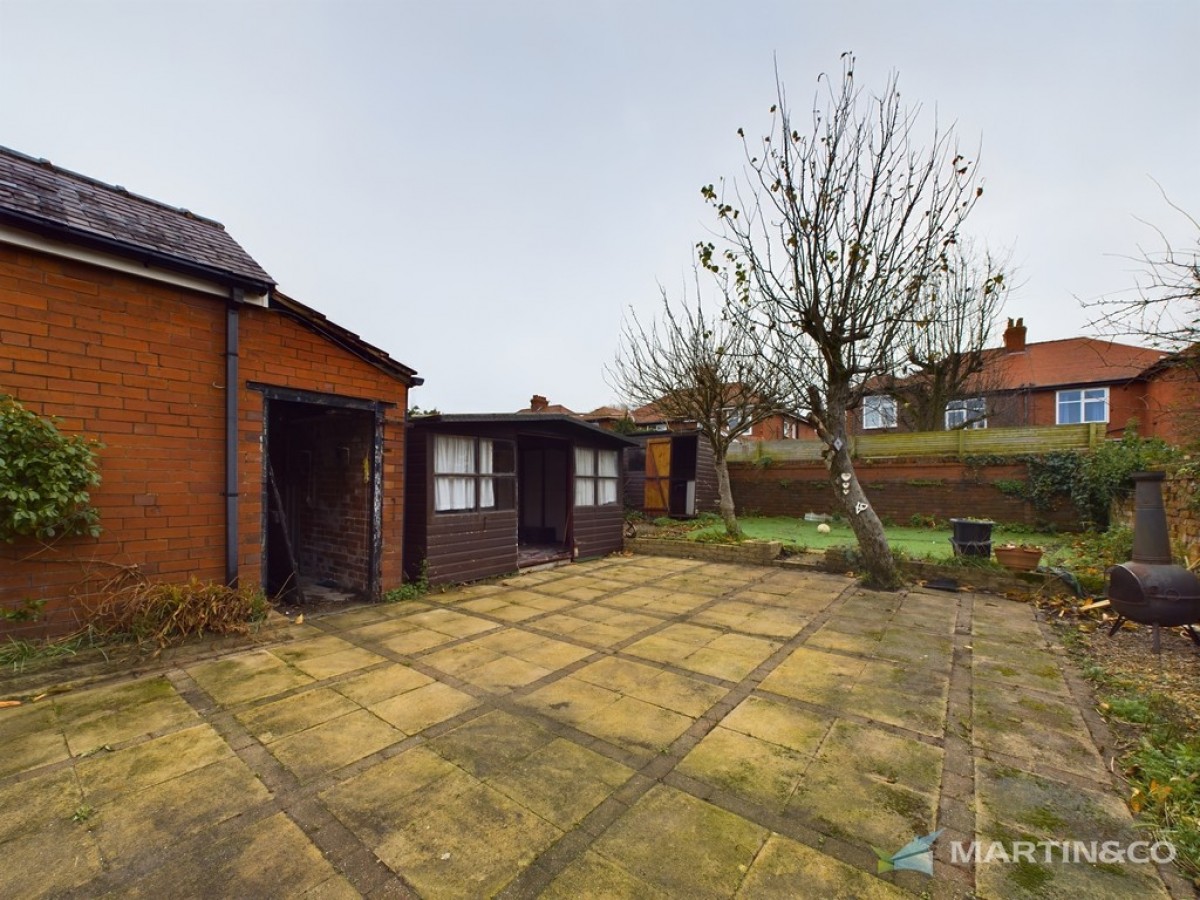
(919, 543)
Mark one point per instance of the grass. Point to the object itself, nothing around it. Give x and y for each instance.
(916, 542)
(1163, 765)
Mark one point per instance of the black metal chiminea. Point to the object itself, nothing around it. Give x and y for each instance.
(1150, 589)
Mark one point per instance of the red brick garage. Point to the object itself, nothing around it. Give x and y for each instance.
(118, 315)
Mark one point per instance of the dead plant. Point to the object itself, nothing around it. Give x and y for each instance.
(167, 614)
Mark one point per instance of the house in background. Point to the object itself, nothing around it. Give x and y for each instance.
(779, 427)
(1062, 382)
(235, 420)
(491, 494)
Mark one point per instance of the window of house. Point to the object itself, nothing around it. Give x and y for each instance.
(789, 430)
(969, 413)
(1083, 405)
(597, 475)
(879, 411)
(733, 419)
(473, 473)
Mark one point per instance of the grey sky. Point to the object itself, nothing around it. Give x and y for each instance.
(482, 188)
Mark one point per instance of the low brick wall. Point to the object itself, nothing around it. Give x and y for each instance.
(754, 552)
(899, 489)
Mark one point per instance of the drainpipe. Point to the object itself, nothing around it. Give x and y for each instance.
(231, 436)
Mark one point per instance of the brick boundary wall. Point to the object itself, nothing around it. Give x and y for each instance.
(898, 489)
(756, 552)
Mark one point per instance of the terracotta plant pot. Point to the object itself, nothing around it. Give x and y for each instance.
(1019, 559)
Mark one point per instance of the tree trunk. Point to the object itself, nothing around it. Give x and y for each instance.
(725, 495)
(877, 559)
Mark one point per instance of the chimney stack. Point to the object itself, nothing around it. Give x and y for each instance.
(1014, 336)
(538, 403)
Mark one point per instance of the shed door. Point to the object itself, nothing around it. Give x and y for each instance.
(658, 476)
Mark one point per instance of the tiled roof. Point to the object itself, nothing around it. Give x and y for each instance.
(606, 412)
(1078, 360)
(38, 195)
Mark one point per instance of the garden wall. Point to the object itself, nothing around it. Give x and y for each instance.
(898, 488)
(1181, 499)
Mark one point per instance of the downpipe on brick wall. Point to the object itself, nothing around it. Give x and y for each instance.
(236, 298)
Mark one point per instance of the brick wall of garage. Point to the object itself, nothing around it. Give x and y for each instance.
(139, 365)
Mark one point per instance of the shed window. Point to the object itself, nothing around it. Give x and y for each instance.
(597, 474)
(879, 411)
(1084, 405)
(472, 473)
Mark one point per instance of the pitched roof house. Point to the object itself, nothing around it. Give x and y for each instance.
(247, 439)
(1059, 382)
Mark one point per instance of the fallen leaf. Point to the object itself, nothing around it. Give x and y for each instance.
(4, 704)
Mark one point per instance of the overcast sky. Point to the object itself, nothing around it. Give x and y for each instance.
(483, 188)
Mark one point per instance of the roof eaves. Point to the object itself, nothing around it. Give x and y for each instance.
(145, 255)
(345, 338)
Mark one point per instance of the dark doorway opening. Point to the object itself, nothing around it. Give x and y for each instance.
(684, 449)
(320, 499)
(543, 501)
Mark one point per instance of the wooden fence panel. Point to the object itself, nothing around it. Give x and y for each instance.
(957, 444)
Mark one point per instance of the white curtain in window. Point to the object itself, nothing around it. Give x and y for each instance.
(606, 491)
(585, 461)
(585, 476)
(455, 455)
(608, 464)
(487, 493)
(607, 469)
(453, 492)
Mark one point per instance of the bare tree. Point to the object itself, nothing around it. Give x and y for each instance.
(831, 240)
(944, 356)
(695, 367)
(1163, 309)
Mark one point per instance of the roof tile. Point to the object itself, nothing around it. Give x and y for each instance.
(34, 189)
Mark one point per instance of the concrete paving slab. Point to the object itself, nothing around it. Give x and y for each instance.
(334, 743)
(754, 770)
(246, 676)
(381, 684)
(683, 846)
(109, 715)
(625, 727)
(269, 858)
(783, 864)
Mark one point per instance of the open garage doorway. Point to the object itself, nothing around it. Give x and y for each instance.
(320, 497)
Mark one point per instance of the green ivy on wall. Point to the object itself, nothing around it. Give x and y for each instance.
(44, 477)
(1090, 480)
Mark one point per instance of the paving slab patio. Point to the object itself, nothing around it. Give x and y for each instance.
(630, 727)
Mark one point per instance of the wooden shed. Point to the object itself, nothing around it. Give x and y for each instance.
(491, 494)
(670, 474)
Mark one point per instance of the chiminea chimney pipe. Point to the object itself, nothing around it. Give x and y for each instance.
(1151, 540)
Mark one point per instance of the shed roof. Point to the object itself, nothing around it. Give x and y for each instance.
(541, 423)
(39, 196)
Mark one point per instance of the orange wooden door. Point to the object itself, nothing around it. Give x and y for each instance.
(658, 476)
